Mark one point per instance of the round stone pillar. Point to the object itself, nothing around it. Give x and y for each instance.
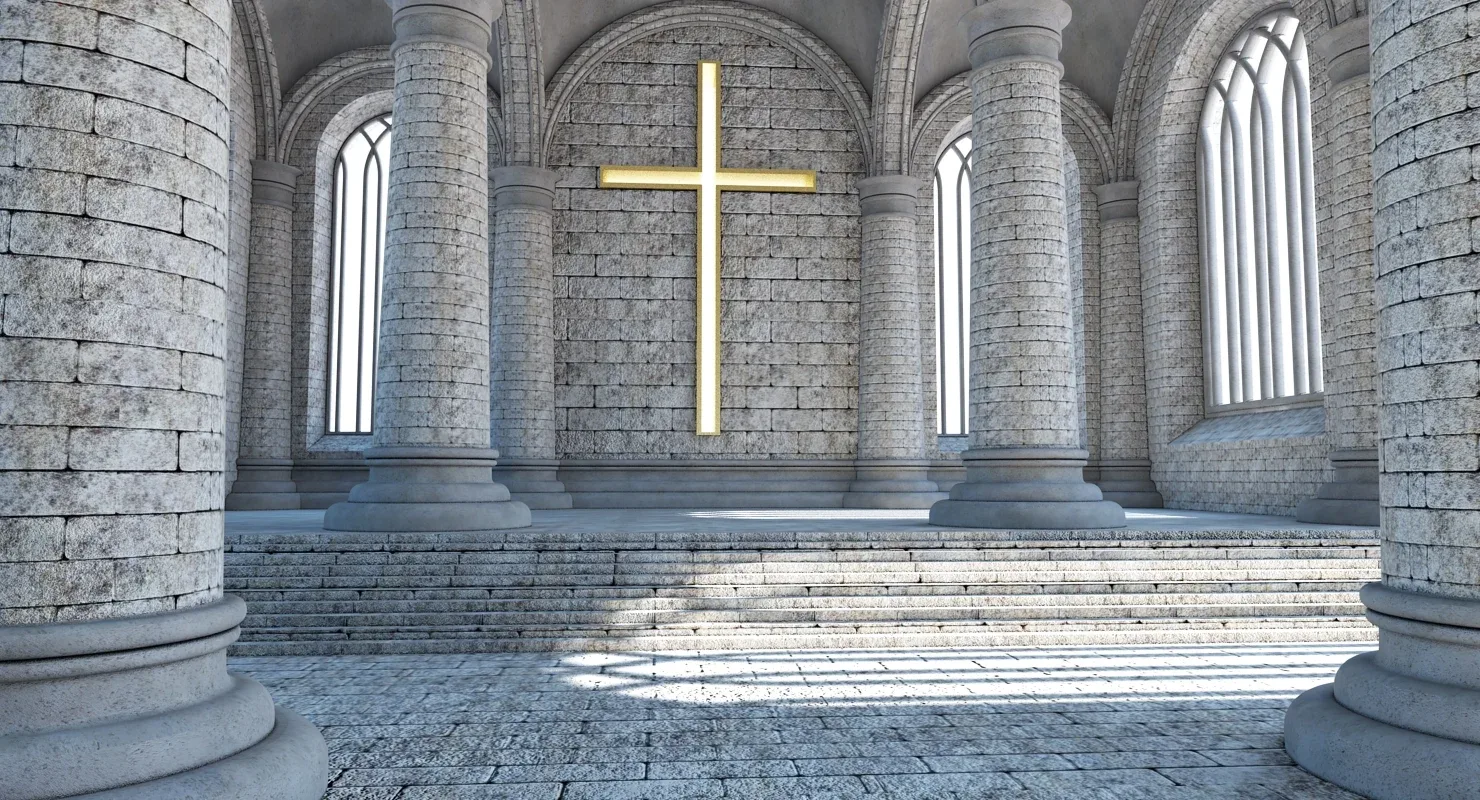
(264, 465)
(891, 469)
(431, 467)
(1125, 449)
(1403, 723)
(1025, 468)
(522, 357)
(1346, 287)
(113, 232)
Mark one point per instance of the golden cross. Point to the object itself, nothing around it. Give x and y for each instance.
(709, 180)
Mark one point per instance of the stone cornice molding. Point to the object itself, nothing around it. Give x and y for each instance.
(1018, 30)
(1346, 50)
(524, 187)
(464, 23)
(889, 194)
(712, 13)
(274, 184)
(1119, 200)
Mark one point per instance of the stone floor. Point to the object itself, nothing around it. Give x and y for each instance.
(1195, 722)
(663, 520)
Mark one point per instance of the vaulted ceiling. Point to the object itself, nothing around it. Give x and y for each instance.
(308, 32)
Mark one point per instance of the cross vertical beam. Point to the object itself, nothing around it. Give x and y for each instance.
(709, 178)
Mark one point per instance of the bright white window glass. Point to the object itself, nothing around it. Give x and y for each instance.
(1256, 192)
(953, 287)
(361, 179)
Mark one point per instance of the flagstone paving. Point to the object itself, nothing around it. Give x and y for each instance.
(1103, 723)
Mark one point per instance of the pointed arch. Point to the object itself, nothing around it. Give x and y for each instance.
(523, 76)
(894, 85)
(714, 13)
(251, 22)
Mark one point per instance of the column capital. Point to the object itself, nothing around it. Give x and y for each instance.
(468, 23)
(1346, 49)
(274, 184)
(1029, 30)
(888, 194)
(1120, 200)
(529, 187)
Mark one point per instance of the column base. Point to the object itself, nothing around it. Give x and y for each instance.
(1401, 723)
(535, 483)
(428, 489)
(143, 708)
(1349, 499)
(263, 484)
(1026, 489)
(892, 484)
(1127, 483)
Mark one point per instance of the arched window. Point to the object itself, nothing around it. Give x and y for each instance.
(1261, 300)
(953, 287)
(361, 178)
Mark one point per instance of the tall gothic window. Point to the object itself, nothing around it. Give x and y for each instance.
(361, 178)
(1261, 300)
(953, 287)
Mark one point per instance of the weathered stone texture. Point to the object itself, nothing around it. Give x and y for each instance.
(625, 263)
(150, 46)
(522, 363)
(889, 391)
(432, 383)
(1024, 388)
(1345, 229)
(113, 418)
(1426, 129)
(1122, 375)
(266, 420)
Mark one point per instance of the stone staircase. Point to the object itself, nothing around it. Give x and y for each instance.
(334, 593)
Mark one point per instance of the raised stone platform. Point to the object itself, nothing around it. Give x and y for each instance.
(722, 579)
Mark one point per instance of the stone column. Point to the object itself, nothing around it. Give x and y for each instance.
(431, 468)
(264, 466)
(1346, 287)
(522, 361)
(113, 626)
(892, 471)
(1403, 723)
(1125, 449)
(1025, 468)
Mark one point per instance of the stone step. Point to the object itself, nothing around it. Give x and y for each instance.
(1078, 552)
(536, 541)
(803, 579)
(714, 617)
(772, 568)
(783, 591)
(554, 604)
(1043, 633)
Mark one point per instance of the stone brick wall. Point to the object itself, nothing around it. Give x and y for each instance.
(1426, 126)
(113, 277)
(1276, 472)
(624, 260)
